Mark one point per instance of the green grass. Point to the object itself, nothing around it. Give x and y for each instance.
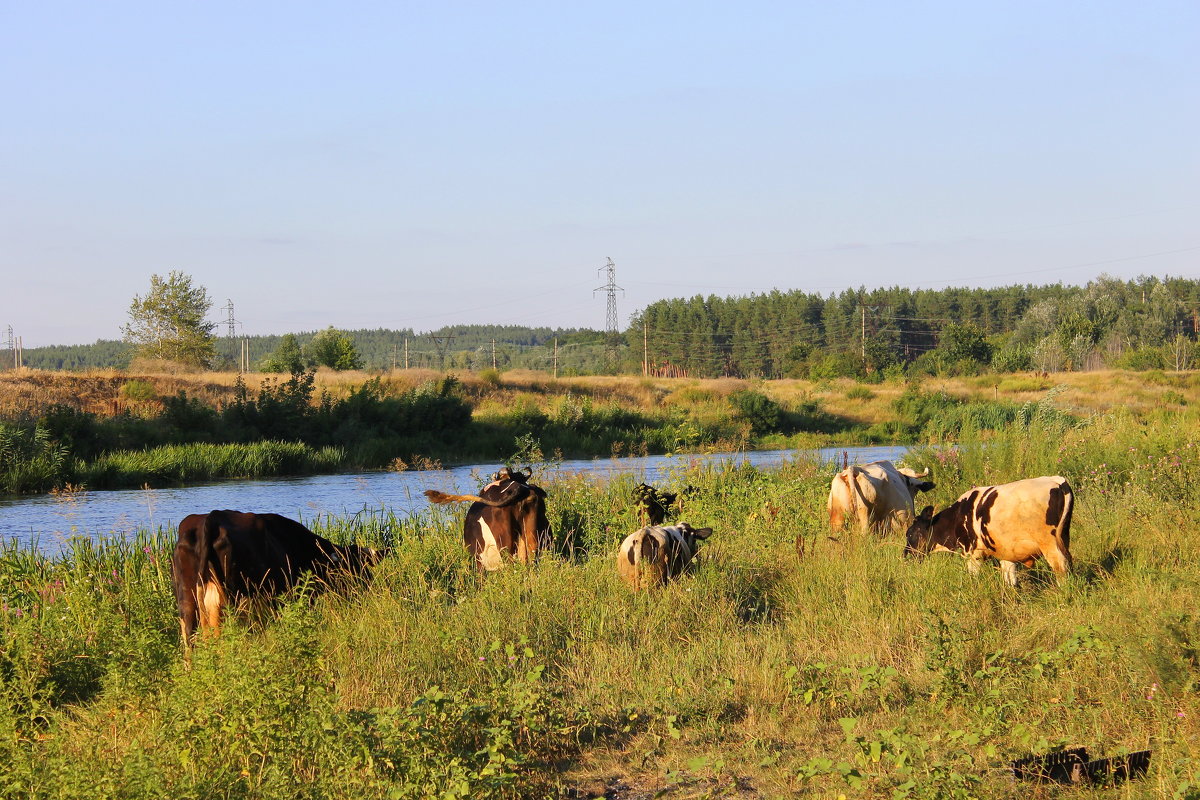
(848, 672)
(200, 462)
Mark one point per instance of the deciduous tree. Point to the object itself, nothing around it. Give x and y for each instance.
(168, 322)
(335, 349)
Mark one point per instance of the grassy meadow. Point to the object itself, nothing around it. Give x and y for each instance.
(789, 664)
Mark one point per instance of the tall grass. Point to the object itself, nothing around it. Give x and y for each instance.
(848, 671)
(198, 462)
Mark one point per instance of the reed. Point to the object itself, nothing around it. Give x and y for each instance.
(198, 462)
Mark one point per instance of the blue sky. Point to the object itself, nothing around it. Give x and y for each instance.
(417, 164)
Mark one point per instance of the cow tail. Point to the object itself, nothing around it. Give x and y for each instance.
(648, 557)
(1064, 522)
(208, 537)
(852, 493)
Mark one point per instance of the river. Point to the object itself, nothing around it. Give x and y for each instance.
(49, 520)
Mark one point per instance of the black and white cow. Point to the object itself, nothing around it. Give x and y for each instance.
(1013, 522)
(656, 554)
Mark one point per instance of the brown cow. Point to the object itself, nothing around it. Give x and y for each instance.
(508, 516)
(655, 554)
(1013, 522)
(225, 557)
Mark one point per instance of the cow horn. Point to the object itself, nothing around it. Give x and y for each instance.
(921, 474)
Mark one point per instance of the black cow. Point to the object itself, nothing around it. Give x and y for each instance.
(225, 557)
(508, 516)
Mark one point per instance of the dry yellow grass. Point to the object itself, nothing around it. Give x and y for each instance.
(28, 393)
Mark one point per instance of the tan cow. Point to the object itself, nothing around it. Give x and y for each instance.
(1013, 522)
(656, 554)
(876, 496)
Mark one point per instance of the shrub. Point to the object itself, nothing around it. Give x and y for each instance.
(763, 413)
(138, 391)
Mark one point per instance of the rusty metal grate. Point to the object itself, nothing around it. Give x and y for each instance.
(1073, 766)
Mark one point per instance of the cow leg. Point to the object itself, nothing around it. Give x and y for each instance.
(1060, 562)
(211, 600)
(1009, 568)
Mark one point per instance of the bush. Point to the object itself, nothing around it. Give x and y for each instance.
(761, 412)
(138, 392)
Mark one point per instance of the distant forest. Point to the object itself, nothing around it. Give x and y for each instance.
(1145, 323)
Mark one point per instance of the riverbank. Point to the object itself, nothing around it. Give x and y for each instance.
(113, 430)
(850, 671)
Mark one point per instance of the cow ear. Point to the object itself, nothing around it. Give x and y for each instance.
(701, 533)
(927, 512)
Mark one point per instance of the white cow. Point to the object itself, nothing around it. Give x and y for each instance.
(876, 497)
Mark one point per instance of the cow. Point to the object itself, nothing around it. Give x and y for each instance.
(227, 557)
(1013, 522)
(656, 554)
(507, 517)
(876, 496)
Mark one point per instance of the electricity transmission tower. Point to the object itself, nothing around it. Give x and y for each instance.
(442, 343)
(229, 320)
(611, 330)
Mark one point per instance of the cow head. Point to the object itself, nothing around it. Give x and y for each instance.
(920, 537)
(691, 537)
(913, 479)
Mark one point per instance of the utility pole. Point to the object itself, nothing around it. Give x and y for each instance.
(493, 353)
(864, 331)
(645, 348)
(611, 288)
(395, 347)
(11, 345)
(556, 357)
(406, 352)
(20, 354)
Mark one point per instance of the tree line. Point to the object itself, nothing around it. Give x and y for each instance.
(1143, 323)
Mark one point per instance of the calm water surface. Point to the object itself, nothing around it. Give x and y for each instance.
(49, 520)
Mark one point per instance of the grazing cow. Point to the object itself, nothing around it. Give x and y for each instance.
(508, 516)
(225, 557)
(656, 554)
(876, 496)
(1013, 522)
